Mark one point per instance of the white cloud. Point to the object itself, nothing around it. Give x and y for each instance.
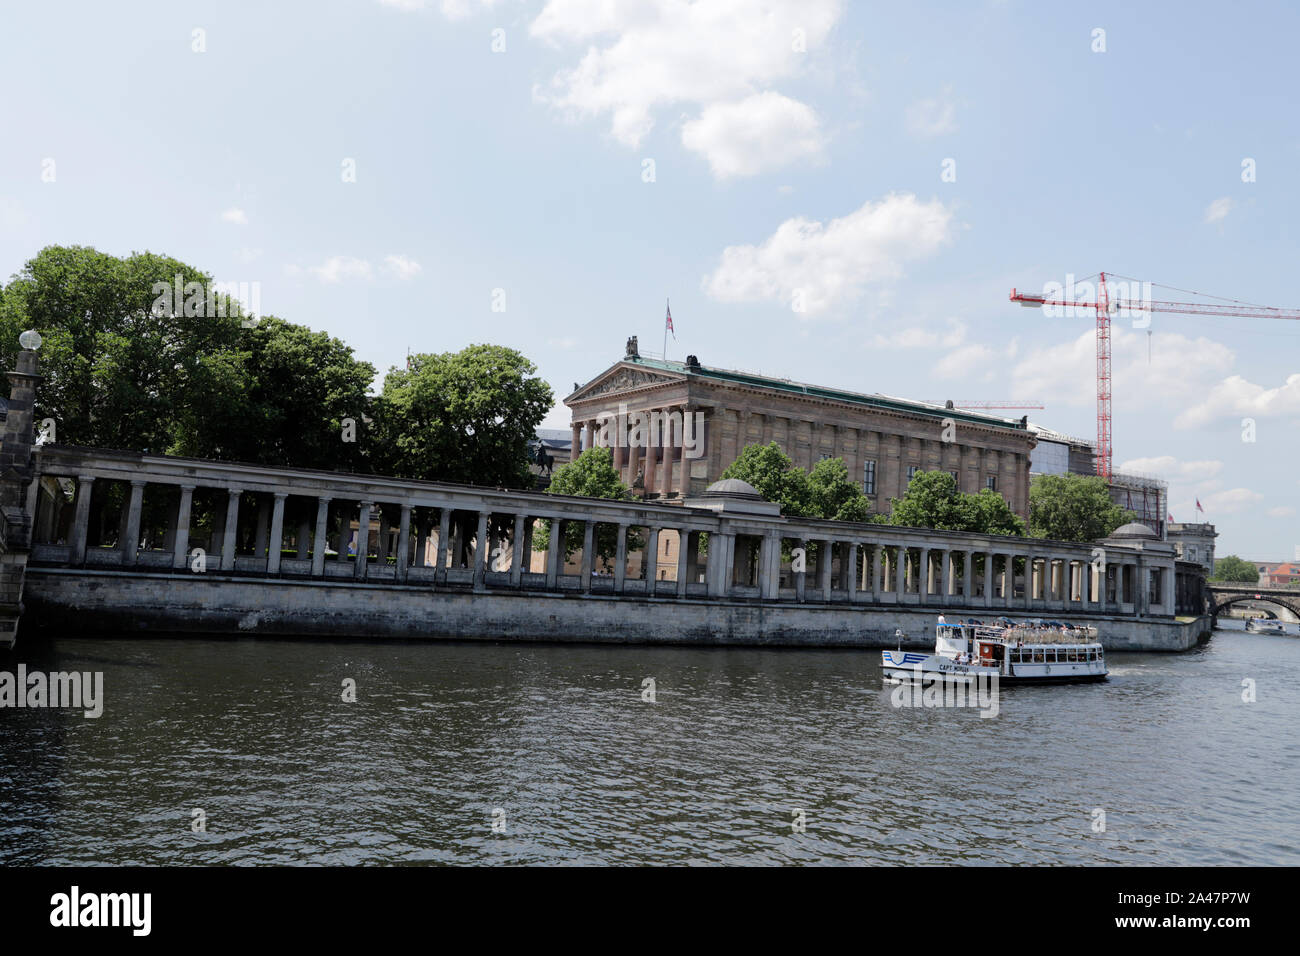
(1218, 210)
(1181, 369)
(1236, 397)
(1173, 470)
(764, 131)
(1231, 501)
(819, 265)
(236, 216)
(402, 267)
(1284, 511)
(641, 57)
(245, 255)
(335, 269)
(932, 117)
(915, 337)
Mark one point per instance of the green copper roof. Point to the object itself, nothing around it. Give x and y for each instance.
(833, 394)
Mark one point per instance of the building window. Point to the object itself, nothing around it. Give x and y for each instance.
(1191, 554)
(991, 482)
(956, 478)
(911, 471)
(666, 543)
(869, 477)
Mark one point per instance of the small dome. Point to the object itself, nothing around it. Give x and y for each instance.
(733, 488)
(1134, 530)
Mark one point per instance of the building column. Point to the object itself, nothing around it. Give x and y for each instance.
(900, 572)
(620, 559)
(231, 527)
(517, 552)
(654, 434)
(130, 543)
(684, 472)
(651, 560)
(181, 540)
(670, 435)
(988, 578)
(318, 541)
(576, 439)
(1008, 579)
(588, 539)
(947, 586)
(444, 545)
(403, 544)
(968, 576)
(923, 586)
(878, 573)
(263, 527)
(277, 533)
(304, 532)
(363, 540)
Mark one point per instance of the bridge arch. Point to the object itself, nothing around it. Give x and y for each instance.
(1223, 598)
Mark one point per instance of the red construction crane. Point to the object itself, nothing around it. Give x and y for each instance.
(1104, 306)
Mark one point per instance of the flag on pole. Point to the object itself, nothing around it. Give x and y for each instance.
(668, 320)
(1198, 506)
(1169, 518)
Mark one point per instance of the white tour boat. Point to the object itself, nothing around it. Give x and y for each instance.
(1262, 625)
(1032, 652)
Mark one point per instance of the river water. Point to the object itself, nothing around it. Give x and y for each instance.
(745, 756)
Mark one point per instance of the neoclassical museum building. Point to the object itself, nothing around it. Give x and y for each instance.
(883, 440)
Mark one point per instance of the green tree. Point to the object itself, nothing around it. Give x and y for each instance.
(462, 416)
(775, 477)
(1233, 569)
(834, 495)
(933, 501)
(592, 475)
(302, 386)
(1073, 508)
(121, 361)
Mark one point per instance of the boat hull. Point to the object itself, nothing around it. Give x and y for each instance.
(909, 666)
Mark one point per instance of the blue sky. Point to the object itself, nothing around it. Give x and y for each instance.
(798, 150)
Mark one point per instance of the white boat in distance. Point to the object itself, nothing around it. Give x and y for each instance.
(1032, 652)
(1262, 625)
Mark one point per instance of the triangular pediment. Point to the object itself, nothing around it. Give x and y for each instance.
(623, 377)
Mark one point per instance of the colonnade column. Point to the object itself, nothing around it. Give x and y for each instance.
(318, 542)
(588, 539)
(181, 540)
(851, 571)
(620, 559)
(1008, 579)
(81, 518)
(482, 551)
(650, 561)
(769, 567)
(824, 567)
(553, 552)
(878, 573)
(403, 544)
(575, 438)
(231, 527)
(517, 551)
(444, 545)
(130, 543)
(363, 540)
(923, 586)
(683, 563)
(968, 577)
(277, 533)
(900, 572)
(800, 584)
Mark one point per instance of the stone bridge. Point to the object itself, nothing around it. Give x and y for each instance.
(110, 541)
(1222, 596)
